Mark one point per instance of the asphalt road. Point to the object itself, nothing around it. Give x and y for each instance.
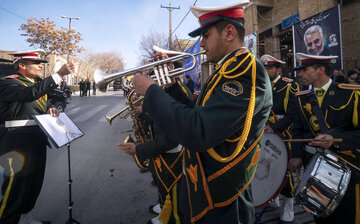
(107, 185)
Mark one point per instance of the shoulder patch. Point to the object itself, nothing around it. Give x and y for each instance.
(232, 87)
(349, 86)
(287, 79)
(12, 76)
(303, 92)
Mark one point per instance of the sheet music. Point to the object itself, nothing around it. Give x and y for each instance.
(60, 130)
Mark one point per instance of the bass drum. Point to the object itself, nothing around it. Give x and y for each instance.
(271, 173)
(323, 184)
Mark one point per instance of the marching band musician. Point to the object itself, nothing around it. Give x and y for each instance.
(330, 110)
(165, 155)
(221, 134)
(281, 117)
(23, 144)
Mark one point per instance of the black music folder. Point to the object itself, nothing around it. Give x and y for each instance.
(60, 130)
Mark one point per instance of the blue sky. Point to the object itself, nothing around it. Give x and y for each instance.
(107, 25)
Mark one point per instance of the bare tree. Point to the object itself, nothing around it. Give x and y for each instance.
(42, 33)
(147, 42)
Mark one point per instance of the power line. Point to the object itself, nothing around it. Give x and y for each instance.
(13, 13)
(184, 18)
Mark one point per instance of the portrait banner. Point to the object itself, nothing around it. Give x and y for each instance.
(195, 73)
(250, 43)
(320, 35)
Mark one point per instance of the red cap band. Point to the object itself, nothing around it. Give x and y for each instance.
(234, 13)
(26, 55)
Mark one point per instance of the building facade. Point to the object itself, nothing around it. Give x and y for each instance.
(266, 18)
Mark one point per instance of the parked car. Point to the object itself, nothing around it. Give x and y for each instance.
(58, 99)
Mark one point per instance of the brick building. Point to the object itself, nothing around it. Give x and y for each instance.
(265, 17)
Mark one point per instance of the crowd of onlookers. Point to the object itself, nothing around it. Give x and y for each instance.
(85, 87)
(352, 76)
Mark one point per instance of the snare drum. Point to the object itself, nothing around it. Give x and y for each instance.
(271, 173)
(323, 184)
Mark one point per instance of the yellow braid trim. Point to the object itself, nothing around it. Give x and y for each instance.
(343, 106)
(248, 121)
(183, 88)
(286, 100)
(224, 72)
(355, 118)
(175, 211)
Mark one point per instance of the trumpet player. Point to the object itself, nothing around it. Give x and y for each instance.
(165, 156)
(221, 133)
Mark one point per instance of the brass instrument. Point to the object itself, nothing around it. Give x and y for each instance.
(161, 73)
(125, 109)
(139, 132)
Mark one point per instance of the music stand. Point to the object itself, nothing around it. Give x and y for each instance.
(61, 131)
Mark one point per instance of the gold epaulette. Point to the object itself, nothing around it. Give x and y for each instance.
(349, 86)
(287, 79)
(12, 76)
(242, 51)
(303, 92)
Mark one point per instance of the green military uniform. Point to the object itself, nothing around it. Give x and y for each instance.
(22, 149)
(282, 116)
(221, 137)
(165, 166)
(283, 91)
(340, 108)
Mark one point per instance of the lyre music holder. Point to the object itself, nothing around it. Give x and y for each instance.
(61, 131)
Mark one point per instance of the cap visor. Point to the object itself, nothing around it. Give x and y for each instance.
(299, 67)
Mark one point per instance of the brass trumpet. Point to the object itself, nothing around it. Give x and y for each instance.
(162, 74)
(127, 109)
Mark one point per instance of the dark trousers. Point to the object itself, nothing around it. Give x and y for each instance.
(24, 169)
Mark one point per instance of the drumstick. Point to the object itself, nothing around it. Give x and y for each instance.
(313, 139)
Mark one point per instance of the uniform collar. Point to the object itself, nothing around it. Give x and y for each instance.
(325, 87)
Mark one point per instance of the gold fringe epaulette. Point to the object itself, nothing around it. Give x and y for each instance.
(349, 86)
(12, 76)
(242, 51)
(287, 79)
(304, 92)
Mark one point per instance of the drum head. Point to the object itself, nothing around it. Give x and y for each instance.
(270, 176)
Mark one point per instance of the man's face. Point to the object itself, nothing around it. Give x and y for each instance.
(273, 72)
(314, 43)
(31, 69)
(308, 75)
(212, 42)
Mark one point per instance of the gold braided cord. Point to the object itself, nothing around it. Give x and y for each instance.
(248, 121)
(355, 119)
(224, 73)
(287, 95)
(343, 106)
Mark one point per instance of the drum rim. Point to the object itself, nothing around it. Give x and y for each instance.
(282, 185)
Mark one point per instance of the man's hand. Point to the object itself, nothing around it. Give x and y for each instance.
(141, 83)
(53, 112)
(138, 110)
(160, 56)
(129, 148)
(322, 144)
(66, 69)
(294, 163)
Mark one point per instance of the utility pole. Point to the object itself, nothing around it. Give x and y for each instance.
(170, 32)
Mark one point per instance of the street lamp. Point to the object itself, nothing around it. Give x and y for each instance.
(70, 18)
